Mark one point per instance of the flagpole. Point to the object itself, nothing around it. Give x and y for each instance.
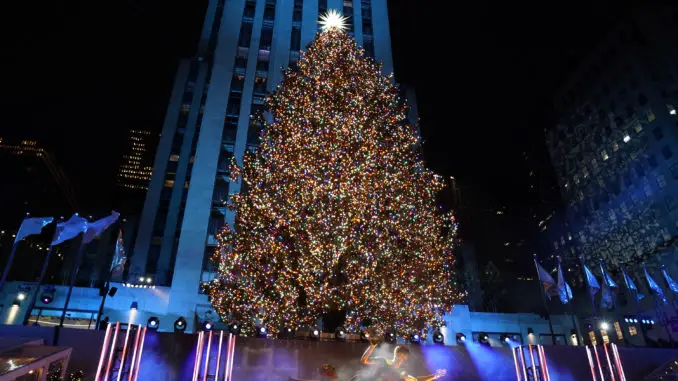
(570, 299)
(588, 286)
(34, 296)
(614, 302)
(74, 275)
(543, 297)
(8, 265)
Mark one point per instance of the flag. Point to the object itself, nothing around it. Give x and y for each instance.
(564, 290)
(545, 278)
(655, 287)
(69, 229)
(608, 289)
(630, 284)
(31, 226)
(591, 281)
(673, 286)
(94, 229)
(119, 258)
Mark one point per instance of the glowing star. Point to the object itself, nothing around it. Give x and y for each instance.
(332, 20)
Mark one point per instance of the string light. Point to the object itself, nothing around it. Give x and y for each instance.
(339, 212)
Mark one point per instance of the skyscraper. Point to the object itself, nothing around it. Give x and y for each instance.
(136, 167)
(242, 48)
(614, 148)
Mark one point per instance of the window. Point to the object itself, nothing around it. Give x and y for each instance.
(295, 43)
(249, 9)
(269, 12)
(604, 155)
(298, 9)
(238, 82)
(245, 35)
(666, 152)
(169, 183)
(369, 48)
(627, 138)
(674, 171)
(266, 38)
(233, 107)
(259, 85)
(658, 133)
(671, 109)
(652, 160)
(174, 157)
(322, 6)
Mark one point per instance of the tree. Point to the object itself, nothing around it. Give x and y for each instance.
(338, 212)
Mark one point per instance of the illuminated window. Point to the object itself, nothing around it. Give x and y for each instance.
(671, 109)
(174, 158)
(626, 138)
(169, 183)
(638, 127)
(633, 331)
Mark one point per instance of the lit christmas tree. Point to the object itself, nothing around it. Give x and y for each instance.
(338, 212)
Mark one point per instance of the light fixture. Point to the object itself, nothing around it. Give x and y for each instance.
(21, 296)
(207, 325)
(287, 333)
(483, 338)
(505, 338)
(134, 306)
(604, 326)
(626, 138)
(47, 295)
(340, 333)
(141, 279)
(261, 332)
(461, 338)
(364, 336)
(234, 328)
(180, 324)
(438, 337)
(415, 338)
(153, 322)
(390, 337)
(149, 280)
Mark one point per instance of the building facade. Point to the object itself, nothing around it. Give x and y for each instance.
(136, 166)
(209, 120)
(615, 148)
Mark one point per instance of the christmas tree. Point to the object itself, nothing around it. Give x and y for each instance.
(338, 211)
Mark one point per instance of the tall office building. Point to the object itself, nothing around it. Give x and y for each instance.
(136, 167)
(616, 144)
(242, 48)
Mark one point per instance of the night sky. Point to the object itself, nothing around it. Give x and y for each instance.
(80, 75)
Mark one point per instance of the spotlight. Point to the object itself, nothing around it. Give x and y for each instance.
(261, 332)
(134, 306)
(415, 338)
(461, 338)
(234, 328)
(340, 333)
(207, 325)
(20, 296)
(652, 322)
(438, 337)
(390, 337)
(180, 324)
(16, 302)
(483, 338)
(47, 294)
(364, 336)
(530, 331)
(287, 333)
(315, 333)
(604, 326)
(153, 322)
